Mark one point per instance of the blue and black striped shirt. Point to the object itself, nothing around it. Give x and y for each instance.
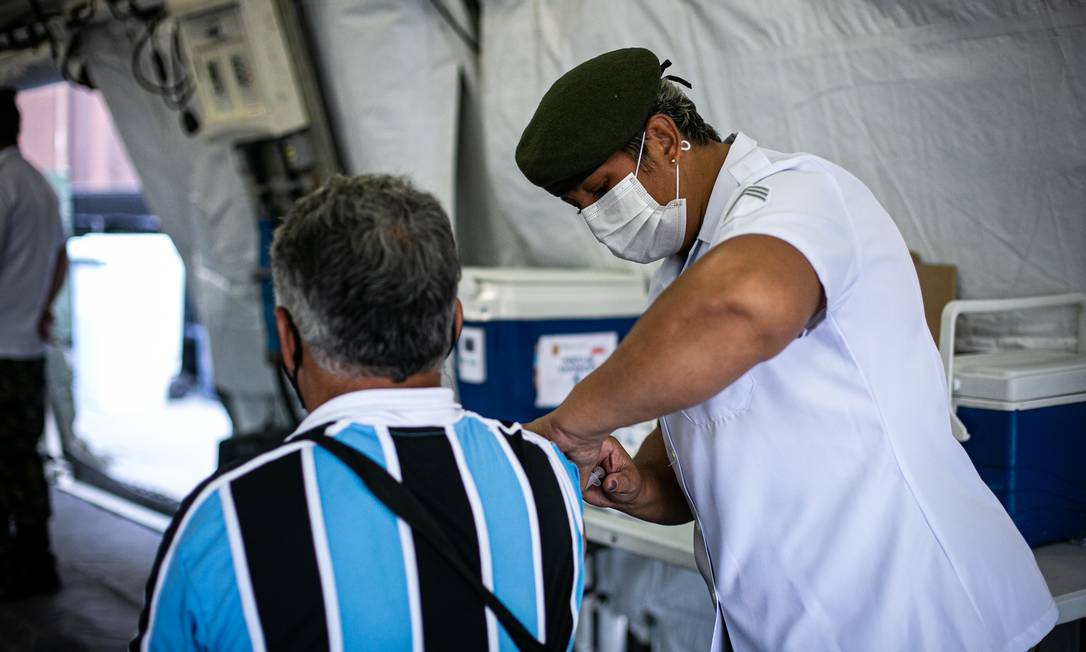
(291, 551)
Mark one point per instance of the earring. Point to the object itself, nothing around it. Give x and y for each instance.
(673, 161)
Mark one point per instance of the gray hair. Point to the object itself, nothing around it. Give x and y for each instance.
(673, 103)
(368, 269)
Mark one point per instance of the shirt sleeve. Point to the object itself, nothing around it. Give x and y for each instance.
(803, 207)
(573, 475)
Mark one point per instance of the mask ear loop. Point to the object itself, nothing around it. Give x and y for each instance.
(676, 181)
(640, 151)
(296, 358)
(684, 145)
(292, 375)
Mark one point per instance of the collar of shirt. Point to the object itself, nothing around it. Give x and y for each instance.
(738, 166)
(427, 406)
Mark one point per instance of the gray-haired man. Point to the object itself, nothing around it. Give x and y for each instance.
(292, 550)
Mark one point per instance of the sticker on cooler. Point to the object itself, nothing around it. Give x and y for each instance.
(562, 361)
(471, 355)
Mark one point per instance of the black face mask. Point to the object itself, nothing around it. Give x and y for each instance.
(292, 376)
(455, 337)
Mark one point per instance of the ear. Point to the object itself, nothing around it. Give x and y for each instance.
(662, 136)
(458, 318)
(286, 337)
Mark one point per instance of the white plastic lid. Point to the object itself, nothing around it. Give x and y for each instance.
(533, 293)
(1019, 375)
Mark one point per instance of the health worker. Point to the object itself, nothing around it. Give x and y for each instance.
(801, 402)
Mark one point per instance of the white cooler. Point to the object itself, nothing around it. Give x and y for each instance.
(531, 334)
(1022, 418)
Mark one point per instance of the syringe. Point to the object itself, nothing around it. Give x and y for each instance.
(596, 478)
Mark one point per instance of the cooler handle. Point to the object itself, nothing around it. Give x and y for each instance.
(955, 309)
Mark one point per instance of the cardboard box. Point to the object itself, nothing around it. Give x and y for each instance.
(938, 286)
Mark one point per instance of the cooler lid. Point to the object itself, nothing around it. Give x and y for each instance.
(534, 293)
(552, 276)
(1019, 375)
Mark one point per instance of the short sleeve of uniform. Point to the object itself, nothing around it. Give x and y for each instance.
(803, 207)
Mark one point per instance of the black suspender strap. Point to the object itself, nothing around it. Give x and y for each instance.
(404, 504)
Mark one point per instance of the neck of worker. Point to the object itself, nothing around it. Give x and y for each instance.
(317, 385)
(704, 163)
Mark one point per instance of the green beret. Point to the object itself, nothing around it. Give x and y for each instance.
(586, 116)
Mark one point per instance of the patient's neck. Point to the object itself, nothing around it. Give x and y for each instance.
(324, 385)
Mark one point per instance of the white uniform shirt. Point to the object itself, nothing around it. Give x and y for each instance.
(30, 237)
(837, 510)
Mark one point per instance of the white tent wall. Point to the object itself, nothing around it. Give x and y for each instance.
(405, 96)
(968, 120)
(484, 234)
(196, 190)
(392, 73)
(525, 47)
(147, 129)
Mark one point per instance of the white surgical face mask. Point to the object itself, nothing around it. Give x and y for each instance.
(632, 224)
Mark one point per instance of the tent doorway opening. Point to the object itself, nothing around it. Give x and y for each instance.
(130, 374)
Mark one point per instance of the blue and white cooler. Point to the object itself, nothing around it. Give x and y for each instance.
(1021, 416)
(531, 334)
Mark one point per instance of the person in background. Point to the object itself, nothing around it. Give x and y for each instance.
(293, 549)
(33, 265)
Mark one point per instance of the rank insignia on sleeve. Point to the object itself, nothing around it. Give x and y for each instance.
(758, 192)
(750, 199)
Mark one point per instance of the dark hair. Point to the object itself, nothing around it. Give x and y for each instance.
(673, 103)
(368, 268)
(9, 117)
